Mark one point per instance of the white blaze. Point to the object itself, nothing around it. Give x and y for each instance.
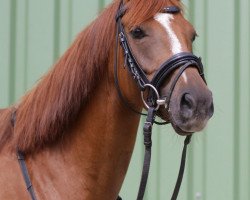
(184, 76)
(165, 20)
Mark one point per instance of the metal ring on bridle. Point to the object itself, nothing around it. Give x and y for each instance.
(157, 96)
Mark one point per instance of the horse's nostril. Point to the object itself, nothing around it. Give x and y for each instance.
(211, 110)
(187, 101)
(187, 105)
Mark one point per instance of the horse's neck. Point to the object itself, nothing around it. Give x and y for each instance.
(92, 159)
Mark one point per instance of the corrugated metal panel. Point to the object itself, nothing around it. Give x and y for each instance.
(34, 33)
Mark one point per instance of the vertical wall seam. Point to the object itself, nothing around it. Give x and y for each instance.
(100, 5)
(191, 10)
(26, 43)
(236, 98)
(56, 29)
(70, 21)
(12, 62)
(158, 164)
(190, 179)
(205, 50)
(249, 97)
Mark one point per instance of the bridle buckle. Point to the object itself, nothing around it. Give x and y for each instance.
(161, 102)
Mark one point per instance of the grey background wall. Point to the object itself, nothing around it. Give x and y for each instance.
(34, 33)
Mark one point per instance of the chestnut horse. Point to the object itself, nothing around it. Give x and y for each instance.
(75, 132)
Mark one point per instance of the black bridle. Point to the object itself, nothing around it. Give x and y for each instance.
(180, 61)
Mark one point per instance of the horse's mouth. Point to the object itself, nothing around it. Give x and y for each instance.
(167, 117)
(164, 115)
(179, 131)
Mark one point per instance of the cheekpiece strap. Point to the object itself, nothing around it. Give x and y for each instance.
(121, 11)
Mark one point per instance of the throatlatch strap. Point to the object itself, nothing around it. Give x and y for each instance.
(21, 160)
(22, 164)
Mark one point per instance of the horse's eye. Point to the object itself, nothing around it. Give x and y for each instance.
(194, 36)
(138, 33)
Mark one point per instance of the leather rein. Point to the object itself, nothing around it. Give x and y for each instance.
(180, 61)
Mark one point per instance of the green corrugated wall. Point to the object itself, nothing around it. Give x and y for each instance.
(34, 33)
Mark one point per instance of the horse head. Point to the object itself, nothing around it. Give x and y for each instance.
(158, 43)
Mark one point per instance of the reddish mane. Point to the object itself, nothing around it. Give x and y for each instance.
(45, 112)
(140, 11)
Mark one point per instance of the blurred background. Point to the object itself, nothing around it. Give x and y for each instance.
(34, 33)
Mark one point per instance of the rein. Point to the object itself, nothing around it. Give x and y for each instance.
(180, 61)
